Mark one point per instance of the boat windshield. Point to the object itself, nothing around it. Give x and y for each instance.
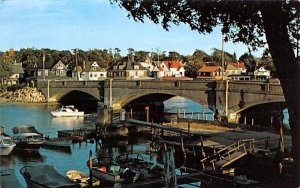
(6, 141)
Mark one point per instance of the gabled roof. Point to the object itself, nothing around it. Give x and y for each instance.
(39, 65)
(239, 65)
(59, 62)
(16, 68)
(209, 68)
(232, 67)
(127, 66)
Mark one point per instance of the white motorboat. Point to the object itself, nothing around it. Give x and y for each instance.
(6, 145)
(67, 111)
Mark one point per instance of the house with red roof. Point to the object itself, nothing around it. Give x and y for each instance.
(241, 66)
(169, 69)
(210, 72)
(236, 71)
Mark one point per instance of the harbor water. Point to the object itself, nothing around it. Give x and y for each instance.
(12, 115)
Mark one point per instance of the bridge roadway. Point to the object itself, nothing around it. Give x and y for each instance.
(228, 97)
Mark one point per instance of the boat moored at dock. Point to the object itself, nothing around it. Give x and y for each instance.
(36, 177)
(28, 141)
(6, 145)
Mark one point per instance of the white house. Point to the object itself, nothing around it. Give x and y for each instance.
(169, 69)
(262, 74)
(90, 71)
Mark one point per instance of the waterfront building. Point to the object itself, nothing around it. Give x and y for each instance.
(169, 69)
(214, 72)
(50, 70)
(16, 73)
(89, 71)
(236, 71)
(262, 74)
(127, 70)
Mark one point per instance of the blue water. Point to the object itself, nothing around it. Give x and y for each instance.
(39, 115)
(188, 107)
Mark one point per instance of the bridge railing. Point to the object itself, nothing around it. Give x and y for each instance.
(67, 83)
(251, 86)
(160, 84)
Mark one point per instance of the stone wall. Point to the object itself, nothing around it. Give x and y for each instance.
(26, 94)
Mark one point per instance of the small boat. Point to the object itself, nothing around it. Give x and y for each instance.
(135, 161)
(67, 111)
(25, 129)
(6, 145)
(81, 178)
(28, 141)
(58, 142)
(46, 176)
(109, 171)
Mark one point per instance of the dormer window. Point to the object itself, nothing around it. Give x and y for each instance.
(115, 67)
(120, 67)
(136, 67)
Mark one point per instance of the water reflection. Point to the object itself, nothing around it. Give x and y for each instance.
(68, 121)
(7, 161)
(25, 156)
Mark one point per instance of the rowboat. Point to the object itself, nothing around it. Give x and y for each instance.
(106, 169)
(46, 176)
(58, 142)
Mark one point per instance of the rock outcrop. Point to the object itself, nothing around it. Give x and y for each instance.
(26, 94)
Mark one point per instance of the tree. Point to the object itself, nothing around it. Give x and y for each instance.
(249, 61)
(247, 22)
(217, 56)
(4, 71)
(174, 56)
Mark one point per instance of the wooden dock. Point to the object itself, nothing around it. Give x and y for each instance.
(165, 127)
(225, 181)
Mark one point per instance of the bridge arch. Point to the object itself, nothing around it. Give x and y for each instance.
(128, 97)
(258, 110)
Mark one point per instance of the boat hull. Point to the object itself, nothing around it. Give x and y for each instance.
(6, 150)
(107, 177)
(67, 114)
(29, 146)
(58, 143)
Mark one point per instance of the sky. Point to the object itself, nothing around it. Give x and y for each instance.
(90, 24)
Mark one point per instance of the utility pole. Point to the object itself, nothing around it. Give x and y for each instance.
(76, 64)
(44, 57)
(223, 67)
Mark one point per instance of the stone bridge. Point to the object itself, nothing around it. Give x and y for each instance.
(227, 96)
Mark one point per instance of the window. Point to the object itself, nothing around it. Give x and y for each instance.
(91, 75)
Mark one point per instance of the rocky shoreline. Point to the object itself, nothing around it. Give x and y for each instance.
(26, 95)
